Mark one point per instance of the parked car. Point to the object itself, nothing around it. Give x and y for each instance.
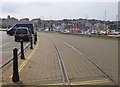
(94, 32)
(22, 33)
(11, 31)
(46, 30)
(115, 32)
(102, 32)
(29, 26)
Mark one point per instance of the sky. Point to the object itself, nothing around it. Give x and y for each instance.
(60, 9)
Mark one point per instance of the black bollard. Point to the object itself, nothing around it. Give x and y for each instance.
(15, 76)
(34, 39)
(22, 50)
(31, 43)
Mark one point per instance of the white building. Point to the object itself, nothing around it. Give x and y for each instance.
(24, 20)
(8, 22)
(38, 23)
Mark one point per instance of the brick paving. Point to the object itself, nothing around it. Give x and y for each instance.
(43, 66)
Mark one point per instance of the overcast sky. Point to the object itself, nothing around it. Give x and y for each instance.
(59, 10)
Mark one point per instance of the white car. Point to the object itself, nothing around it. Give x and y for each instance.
(115, 32)
(46, 30)
(103, 32)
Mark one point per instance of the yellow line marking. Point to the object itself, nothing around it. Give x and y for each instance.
(27, 59)
(91, 82)
(83, 82)
(54, 84)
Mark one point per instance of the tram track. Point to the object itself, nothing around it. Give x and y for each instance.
(64, 75)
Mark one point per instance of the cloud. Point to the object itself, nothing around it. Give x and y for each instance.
(9, 7)
(60, 10)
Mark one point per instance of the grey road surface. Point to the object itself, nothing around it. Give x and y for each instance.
(102, 52)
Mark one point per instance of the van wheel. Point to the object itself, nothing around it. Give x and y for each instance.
(10, 34)
(15, 39)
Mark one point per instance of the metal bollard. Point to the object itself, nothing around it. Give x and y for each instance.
(31, 43)
(34, 39)
(15, 76)
(22, 50)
